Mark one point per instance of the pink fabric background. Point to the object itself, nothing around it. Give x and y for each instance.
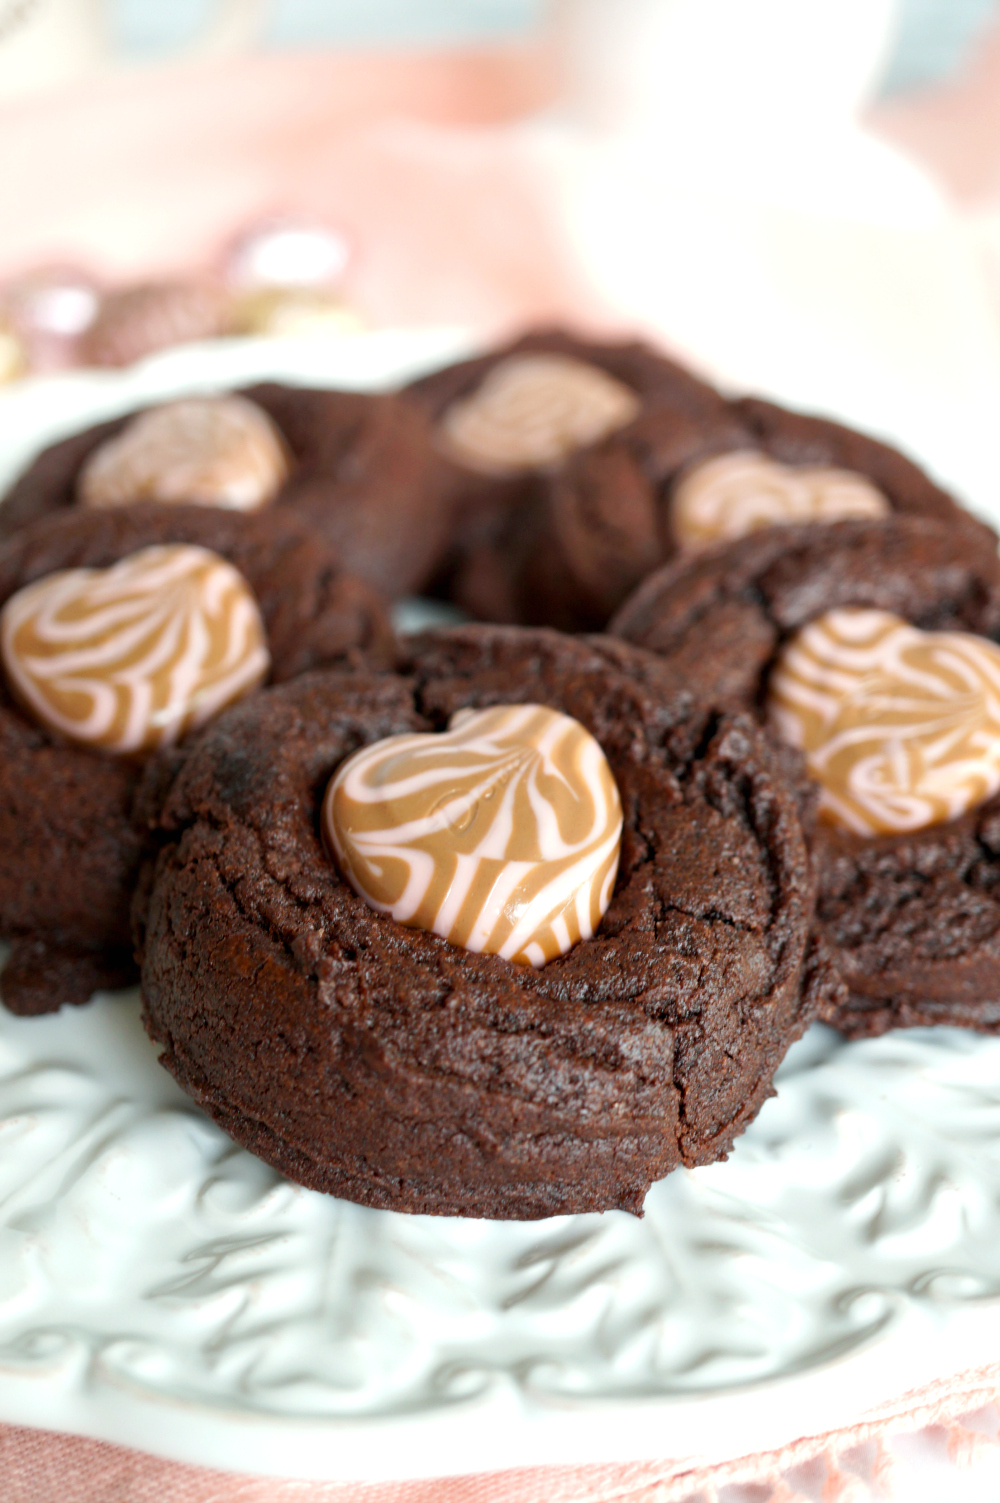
(189, 155)
(840, 1466)
(201, 152)
(954, 128)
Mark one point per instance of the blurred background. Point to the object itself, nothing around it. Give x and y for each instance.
(931, 37)
(798, 196)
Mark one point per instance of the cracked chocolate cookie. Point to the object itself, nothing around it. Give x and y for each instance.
(690, 472)
(872, 647)
(368, 1057)
(120, 629)
(360, 469)
(504, 422)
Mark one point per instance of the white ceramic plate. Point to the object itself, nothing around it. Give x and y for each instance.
(162, 1288)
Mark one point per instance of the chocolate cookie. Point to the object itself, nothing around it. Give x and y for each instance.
(383, 1063)
(362, 473)
(912, 918)
(504, 421)
(367, 478)
(69, 849)
(683, 472)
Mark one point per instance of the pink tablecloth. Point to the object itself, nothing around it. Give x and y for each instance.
(840, 1466)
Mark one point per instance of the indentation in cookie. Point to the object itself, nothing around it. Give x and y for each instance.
(739, 492)
(900, 727)
(502, 834)
(131, 657)
(533, 410)
(209, 451)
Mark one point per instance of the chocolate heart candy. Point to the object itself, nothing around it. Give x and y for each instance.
(900, 727)
(129, 658)
(736, 493)
(533, 410)
(502, 834)
(212, 451)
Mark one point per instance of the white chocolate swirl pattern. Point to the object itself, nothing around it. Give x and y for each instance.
(533, 410)
(130, 658)
(900, 727)
(209, 451)
(502, 834)
(737, 493)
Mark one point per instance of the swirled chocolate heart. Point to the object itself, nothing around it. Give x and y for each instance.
(900, 727)
(736, 493)
(131, 657)
(533, 410)
(502, 834)
(209, 451)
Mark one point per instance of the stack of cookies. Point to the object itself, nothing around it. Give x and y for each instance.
(509, 918)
